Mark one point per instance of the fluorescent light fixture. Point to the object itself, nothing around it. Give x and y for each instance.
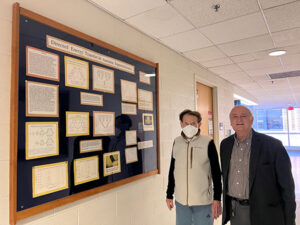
(244, 100)
(150, 75)
(277, 53)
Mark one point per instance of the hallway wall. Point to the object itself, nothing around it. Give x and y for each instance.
(141, 202)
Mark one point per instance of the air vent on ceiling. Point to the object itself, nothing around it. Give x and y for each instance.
(285, 74)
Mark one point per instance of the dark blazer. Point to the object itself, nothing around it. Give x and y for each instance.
(271, 185)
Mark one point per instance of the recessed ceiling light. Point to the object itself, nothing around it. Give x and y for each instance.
(277, 53)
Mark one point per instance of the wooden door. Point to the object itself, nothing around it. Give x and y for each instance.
(205, 107)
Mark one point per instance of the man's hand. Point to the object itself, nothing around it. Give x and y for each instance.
(216, 209)
(170, 203)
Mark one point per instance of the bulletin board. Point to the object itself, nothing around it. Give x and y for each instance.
(84, 116)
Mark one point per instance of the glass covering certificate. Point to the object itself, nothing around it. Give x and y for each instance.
(148, 123)
(111, 163)
(144, 78)
(42, 64)
(41, 139)
(90, 145)
(128, 91)
(77, 124)
(91, 99)
(145, 144)
(104, 123)
(129, 109)
(131, 155)
(86, 169)
(41, 99)
(103, 79)
(76, 73)
(145, 100)
(49, 178)
(130, 137)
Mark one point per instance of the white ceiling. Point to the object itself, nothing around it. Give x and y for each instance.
(233, 42)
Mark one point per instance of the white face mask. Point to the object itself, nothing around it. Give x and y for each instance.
(190, 131)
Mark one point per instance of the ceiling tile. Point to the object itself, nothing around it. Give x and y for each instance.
(205, 54)
(125, 9)
(201, 13)
(242, 81)
(235, 76)
(283, 17)
(250, 86)
(262, 77)
(186, 41)
(236, 29)
(287, 37)
(291, 59)
(247, 45)
(294, 82)
(264, 71)
(260, 64)
(272, 3)
(217, 62)
(275, 84)
(227, 69)
(251, 56)
(291, 67)
(160, 22)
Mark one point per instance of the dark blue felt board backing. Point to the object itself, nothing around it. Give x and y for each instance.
(33, 33)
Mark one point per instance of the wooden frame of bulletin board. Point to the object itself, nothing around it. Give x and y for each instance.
(84, 116)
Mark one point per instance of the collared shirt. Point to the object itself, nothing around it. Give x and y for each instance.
(238, 181)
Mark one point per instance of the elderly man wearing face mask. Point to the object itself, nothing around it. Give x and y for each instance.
(194, 174)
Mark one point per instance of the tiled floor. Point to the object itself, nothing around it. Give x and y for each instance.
(295, 160)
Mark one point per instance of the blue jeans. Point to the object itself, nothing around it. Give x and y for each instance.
(193, 215)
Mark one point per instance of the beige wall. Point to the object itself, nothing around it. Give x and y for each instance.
(141, 202)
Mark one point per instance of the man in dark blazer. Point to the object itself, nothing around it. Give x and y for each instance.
(258, 184)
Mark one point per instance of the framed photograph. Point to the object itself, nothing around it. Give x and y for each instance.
(111, 163)
(148, 123)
